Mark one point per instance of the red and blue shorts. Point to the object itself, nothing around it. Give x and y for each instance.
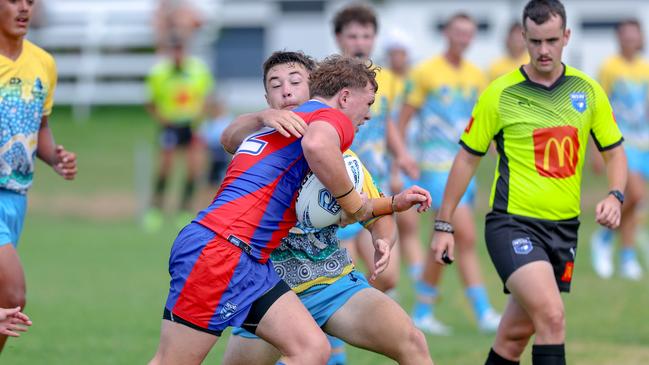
(215, 284)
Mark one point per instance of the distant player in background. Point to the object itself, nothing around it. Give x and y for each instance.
(515, 56)
(625, 78)
(178, 87)
(27, 82)
(541, 117)
(217, 120)
(444, 91)
(311, 261)
(355, 28)
(398, 48)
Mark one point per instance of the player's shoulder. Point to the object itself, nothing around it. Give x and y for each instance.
(37, 52)
(497, 86)
(575, 72)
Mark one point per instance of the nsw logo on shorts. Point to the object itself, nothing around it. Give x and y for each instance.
(228, 310)
(522, 246)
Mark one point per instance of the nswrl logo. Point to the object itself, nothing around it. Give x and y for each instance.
(522, 246)
(578, 101)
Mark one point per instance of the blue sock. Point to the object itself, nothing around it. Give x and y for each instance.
(414, 271)
(627, 254)
(607, 235)
(479, 300)
(338, 354)
(425, 295)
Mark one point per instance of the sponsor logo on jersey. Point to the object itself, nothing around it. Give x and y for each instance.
(522, 246)
(227, 310)
(328, 202)
(578, 101)
(556, 151)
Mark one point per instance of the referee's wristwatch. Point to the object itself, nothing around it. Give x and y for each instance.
(618, 195)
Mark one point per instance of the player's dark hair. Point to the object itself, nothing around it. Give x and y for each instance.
(337, 72)
(282, 57)
(539, 11)
(629, 21)
(459, 16)
(359, 13)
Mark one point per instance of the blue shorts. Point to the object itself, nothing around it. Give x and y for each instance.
(349, 232)
(638, 161)
(435, 183)
(322, 303)
(214, 283)
(12, 215)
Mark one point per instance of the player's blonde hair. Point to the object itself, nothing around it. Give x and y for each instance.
(337, 72)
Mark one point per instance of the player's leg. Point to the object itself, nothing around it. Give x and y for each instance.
(12, 281)
(289, 327)
(516, 328)
(387, 281)
(469, 267)
(409, 242)
(394, 335)
(181, 344)
(635, 194)
(245, 348)
(534, 287)
(153, 219)
(195, 167)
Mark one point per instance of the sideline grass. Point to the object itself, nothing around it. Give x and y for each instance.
(96, 285)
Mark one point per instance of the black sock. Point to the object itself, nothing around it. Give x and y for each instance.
(188, 192)
(495, 359)
(158, 193)
(548, 355)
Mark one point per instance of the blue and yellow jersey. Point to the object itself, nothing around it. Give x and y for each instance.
(541, 134)
(506, 64)
(627, 86)
(26, 95)
(308, 258)
(445, 96)
(370, 141)
(179, 94)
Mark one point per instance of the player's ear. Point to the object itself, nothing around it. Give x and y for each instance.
(267, 101)
(566, 36)
(342, 98)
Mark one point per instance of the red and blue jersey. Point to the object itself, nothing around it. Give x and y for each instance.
(256, 202)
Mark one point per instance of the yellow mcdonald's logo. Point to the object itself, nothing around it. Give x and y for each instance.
(561, 149)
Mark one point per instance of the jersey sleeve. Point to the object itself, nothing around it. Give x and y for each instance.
(604, 129)
(483, 125)
(417, 93)
(372, 191)
(340, 122)
(50, 68)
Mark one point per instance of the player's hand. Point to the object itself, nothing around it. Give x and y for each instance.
(443, 242)
(412, 196)
(285, 122)
(408, 164)
(381, 258)
(13, 321)
(66, 164)
(608, 212)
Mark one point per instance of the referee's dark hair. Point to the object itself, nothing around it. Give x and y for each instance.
(539, 11)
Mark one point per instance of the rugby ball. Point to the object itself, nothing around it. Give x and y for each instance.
(316, 207)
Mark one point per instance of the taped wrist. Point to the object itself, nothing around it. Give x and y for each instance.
(382, 206)
(350, 202)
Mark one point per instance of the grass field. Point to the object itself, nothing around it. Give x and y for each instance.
(97, 283)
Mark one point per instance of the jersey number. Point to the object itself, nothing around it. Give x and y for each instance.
(253, 144)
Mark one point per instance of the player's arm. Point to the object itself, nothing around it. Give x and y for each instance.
(609, 211)
(62, 161)
(396, 145)
(384, 236)
(284, 121)
(463, 169)
(155, 113)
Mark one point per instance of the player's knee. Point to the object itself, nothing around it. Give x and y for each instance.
(465, 240)
(385, 282)
(13, 296)
(551, 320)
(313, 349)
(412, 346)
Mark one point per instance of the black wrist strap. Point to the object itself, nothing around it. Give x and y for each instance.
(344, 195)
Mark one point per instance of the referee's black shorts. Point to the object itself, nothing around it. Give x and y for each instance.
(514, 241)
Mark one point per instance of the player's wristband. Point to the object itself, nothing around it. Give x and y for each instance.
(344, 195)
(443, 226)
(382, 206)
(351, 202)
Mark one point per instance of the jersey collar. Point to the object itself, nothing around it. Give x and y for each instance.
(541, 86)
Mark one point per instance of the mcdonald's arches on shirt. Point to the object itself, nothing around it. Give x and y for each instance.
(556, 151)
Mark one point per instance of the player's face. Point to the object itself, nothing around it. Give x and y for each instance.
(287, 86)
(356, 104)
(545, 43)
(14, 17)
(630, 38)
(398, 59)
(356, 40)
(459, 34)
